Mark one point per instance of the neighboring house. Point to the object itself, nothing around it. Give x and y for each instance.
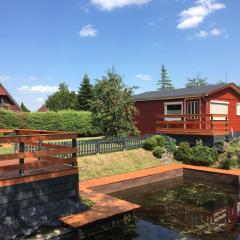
(7, 101)
(210, 113)
(43, 108)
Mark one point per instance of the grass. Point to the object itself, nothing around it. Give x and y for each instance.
(119, 162)
(8, 149)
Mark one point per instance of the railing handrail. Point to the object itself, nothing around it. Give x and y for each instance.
(191, 115)
(48, 152)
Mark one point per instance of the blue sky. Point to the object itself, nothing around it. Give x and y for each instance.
(43, 43)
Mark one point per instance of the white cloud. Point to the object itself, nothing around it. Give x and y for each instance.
(88, 31)
(202, 34)
(216, 32)
(41, 100)
(195, 15)
(109, 5)
(144, 77)
(38, 89)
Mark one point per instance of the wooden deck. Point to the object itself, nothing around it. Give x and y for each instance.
(47, 158)
(195, 124)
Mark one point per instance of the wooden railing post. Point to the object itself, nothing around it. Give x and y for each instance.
(74, 154)
(21, 160)
(211, 121)
(39, 148)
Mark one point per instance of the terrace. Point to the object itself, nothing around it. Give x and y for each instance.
(46, 158)
(194, 124)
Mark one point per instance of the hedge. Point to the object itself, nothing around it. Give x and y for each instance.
(68, 120)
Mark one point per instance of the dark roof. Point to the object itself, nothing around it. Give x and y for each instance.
(181, 92)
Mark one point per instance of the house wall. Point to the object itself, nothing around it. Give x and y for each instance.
(146, 119)
(233, 98)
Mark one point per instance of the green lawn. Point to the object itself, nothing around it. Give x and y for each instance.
(118, 162)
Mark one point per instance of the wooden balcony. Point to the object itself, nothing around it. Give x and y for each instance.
(196, 124)
(46, 159)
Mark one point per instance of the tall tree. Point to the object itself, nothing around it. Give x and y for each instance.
(62, 99)
(113, 106)
(24, 108)
(85, 94)
(196, 81)
(164, 83)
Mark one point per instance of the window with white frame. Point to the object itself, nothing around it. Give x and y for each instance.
(173, 108)
(193, 107)
(238, 109)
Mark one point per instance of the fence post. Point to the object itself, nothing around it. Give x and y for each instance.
(21, 159)
(97, 147)
(74, 154)
(124, 144)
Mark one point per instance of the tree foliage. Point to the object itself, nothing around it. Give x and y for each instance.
(165, 83)
(62, 99)
(85, 94)
(196, 81)
(24, 108)
(113, 107)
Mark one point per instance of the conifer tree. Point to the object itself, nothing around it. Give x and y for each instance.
(24, 108)
(196, 81)
(164, 83)
(85, 94)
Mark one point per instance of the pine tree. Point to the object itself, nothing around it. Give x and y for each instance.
(196, 81)
(85, 94)
(165, 83)
(24, 108)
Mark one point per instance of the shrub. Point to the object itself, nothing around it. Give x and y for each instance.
(150, 144)
(67, 120)
(162, 141)
(183, 153)
(170, 144)
(203, 155)
(158, 151)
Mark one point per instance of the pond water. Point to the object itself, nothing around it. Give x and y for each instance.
(184, 209)
(180, 209)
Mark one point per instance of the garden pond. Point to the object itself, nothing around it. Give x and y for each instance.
(180, 209)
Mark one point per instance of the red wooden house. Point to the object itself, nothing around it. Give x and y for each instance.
(7, 101)
(210, 113)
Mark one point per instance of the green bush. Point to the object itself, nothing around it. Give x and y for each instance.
(199, 155)
(68, 120)
(158, 151)
(162, 141)
(183, 153)
(150, 144)
(170, 144)
(203, 155)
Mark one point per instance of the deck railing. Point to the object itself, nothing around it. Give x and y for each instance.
(45, 154)
(197, 122)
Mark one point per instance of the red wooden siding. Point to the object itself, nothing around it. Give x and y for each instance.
(233, 98)
(146, 119)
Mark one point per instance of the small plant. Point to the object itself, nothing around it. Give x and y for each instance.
(183, 153)
(150, 144)
(160, 140)
(159, 151)
(203, 155)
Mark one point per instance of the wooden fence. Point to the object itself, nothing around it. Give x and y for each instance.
(98, 146)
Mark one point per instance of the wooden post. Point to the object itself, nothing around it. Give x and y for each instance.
(39, 148)
(21, 160)
(211, 122)
(74, 154)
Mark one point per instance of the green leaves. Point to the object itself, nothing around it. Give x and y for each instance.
(62, 99)
(113, 107)
(165, 83)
